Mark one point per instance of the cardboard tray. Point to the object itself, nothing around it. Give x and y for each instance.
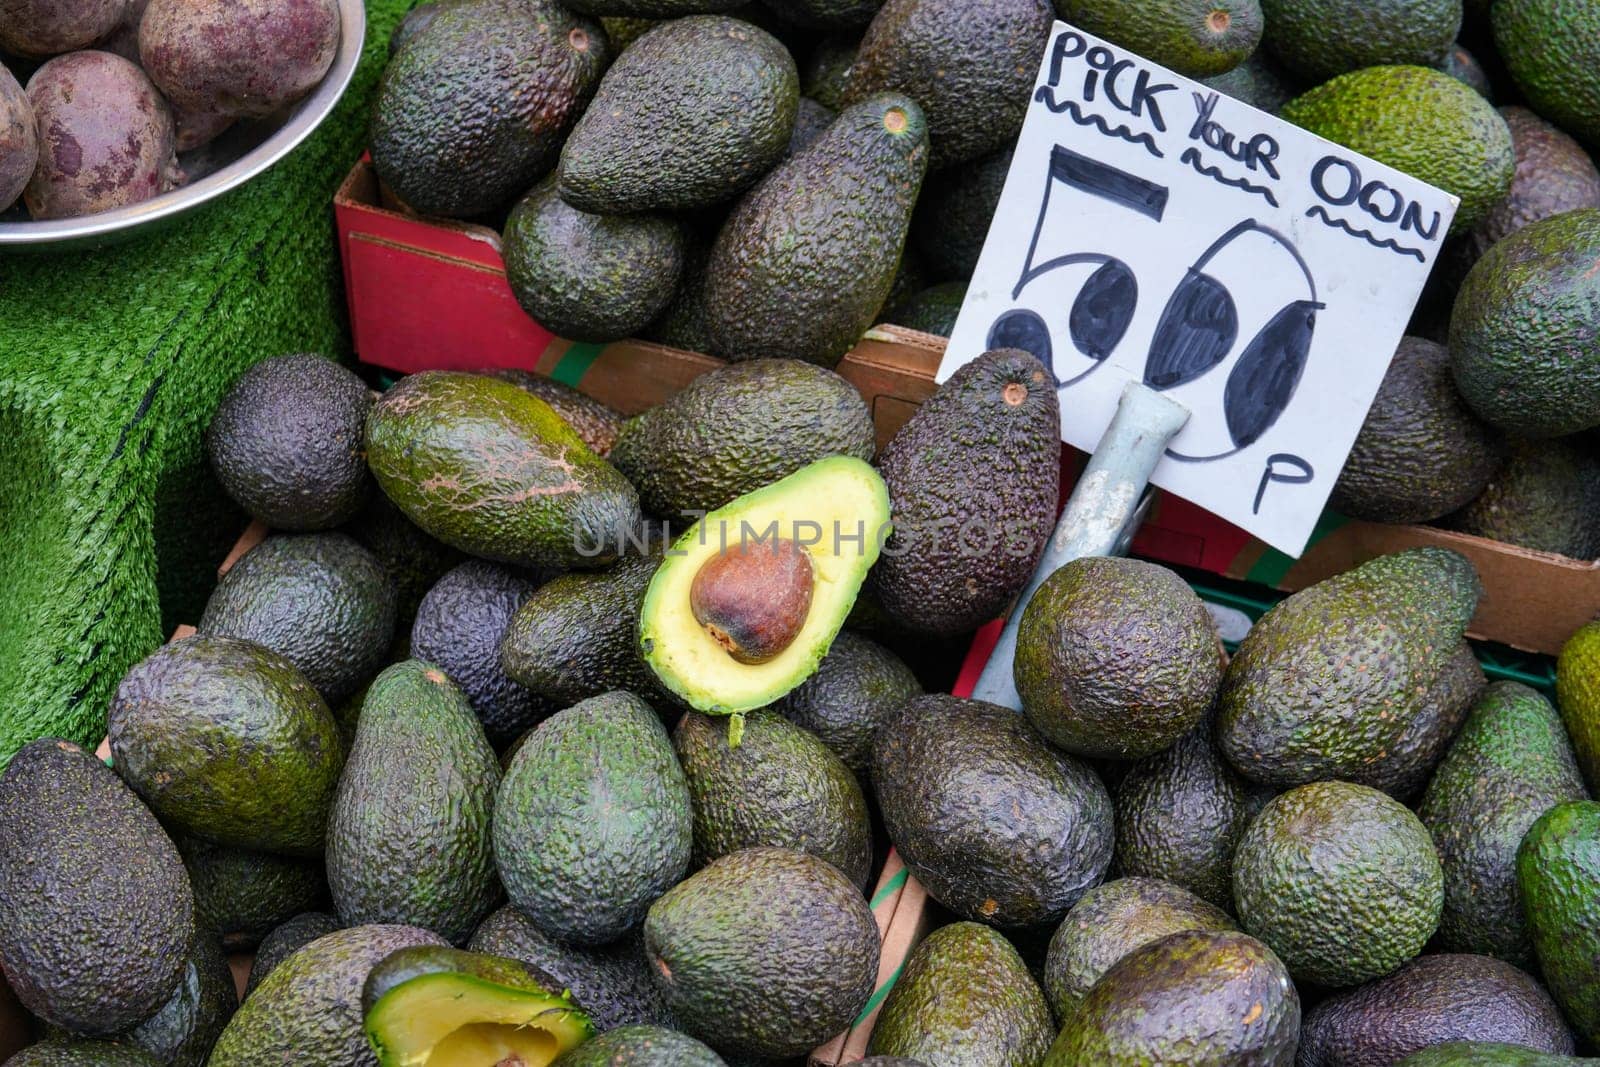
(888, 897)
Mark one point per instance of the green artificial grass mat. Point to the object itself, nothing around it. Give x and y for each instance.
(111, 363)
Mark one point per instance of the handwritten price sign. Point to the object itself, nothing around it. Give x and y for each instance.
(1154, 230)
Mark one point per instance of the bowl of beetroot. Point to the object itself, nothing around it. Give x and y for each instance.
(119, 115)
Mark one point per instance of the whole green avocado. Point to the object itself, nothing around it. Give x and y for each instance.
(1318, 39)
(840, 209)
(641, 1046)
(489, 468)
(1552, 48)
(82, 1052)
(1546, 497)
(1490, 1054)
(183, 1030)
(244, 894)
(859, 686)
(1196, 38)
(96, 915)
(965, 997)
(1558, 871)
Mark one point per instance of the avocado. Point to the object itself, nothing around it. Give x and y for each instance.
(682, 325)
(826, 14)
(1523, 320)
(1558, 871)
(1419, 121)
(1578, 696)
(953, 215)
(1429, 1001)
(745, 797)
(426, 1003)
(1259, 81)
(1421, 453)
(486, 467)
(857, 688)
(82, 1052)
(1403, 770)
(576, 636)
(228, 742)
(889, 1061)
(413, 22)
(771, 418)
(1179, 817)
(413, 560)
(319, 600)
(1489, 1054)
(650, 9)
(974, 479)
(840, 209)
(642, 1046)
(965, 997)
(1291, 711)
(765, 952)
(696, 112)
(952, 778)
(453, 135)
(1552, 48)
(971, 64)
(611, 983)
(285, 442)
(1546, 497)
(285, 940)
(1116, 658)
(1554, 175)
(622, 32)
(408, 839)
(1112, 920)
(308, 1010)
(1341, 880)
(1510, 764)
(243, 895)
(598, 424)
(1464, 67)
(592, 821)
(460, 626)
(811, 120)
(1196, 997)
(749, 599)
(96, 915)
(933, 310)
(1318, 39)
(1196, 38)
(826, 75)
(182, 1031)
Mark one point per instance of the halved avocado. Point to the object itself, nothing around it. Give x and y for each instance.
(729, 622)
(430, 1006)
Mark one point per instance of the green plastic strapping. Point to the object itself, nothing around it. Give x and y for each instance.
(890, 888)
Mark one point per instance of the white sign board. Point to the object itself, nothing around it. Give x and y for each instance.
(1154, 230)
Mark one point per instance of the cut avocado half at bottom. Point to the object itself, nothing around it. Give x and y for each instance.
(748, 601)
(429, 1006)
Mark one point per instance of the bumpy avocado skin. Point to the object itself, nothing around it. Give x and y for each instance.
(767, 952)
(82, 1052)
(1578, 697)
(96, 915)
(1546, 497)
(597, 423)
(781, 787)
(244, 895)
(1558, 871)
(285, 940)
(320, 600)
(840, 209)
(1521, 334)
(1116, 658)
(1291, 709)
(1179, 817)
(954, 212)
(826, 74)
(1554, 175)
(1190, 997)
(228, 742)
(965, 996)
(1510, 764)
(1489, 1054)
(1431, 1000)
(182, 1032)
(974, 478)
(1421, 453)
(1422, 122)
(1259, 81)
(933, 310)
(486, 467)
(593, 820)
(1552, 48)
(308, 1010)
(1319, 39)
(1111, 921)
(858, 687)
(641, 1046)
(407, 843)
(1196, 38)
(453, 135)
(1404, 769)
(771, 418)
(1341, 880)
(412, 559)
(965, 788)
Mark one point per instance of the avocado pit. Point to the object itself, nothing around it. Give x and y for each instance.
(753, 599)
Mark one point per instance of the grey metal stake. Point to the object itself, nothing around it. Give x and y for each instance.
(1106, 507)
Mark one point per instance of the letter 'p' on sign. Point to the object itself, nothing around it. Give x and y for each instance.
(1154, 230)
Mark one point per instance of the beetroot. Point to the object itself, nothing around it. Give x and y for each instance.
(39, 28)
(106, 137)
(19, 144)
(238, 57)
(198, 128)
(124, 40)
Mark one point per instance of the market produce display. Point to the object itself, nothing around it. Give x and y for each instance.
(535, 735)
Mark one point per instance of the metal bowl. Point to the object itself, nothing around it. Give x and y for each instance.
(246, 151)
